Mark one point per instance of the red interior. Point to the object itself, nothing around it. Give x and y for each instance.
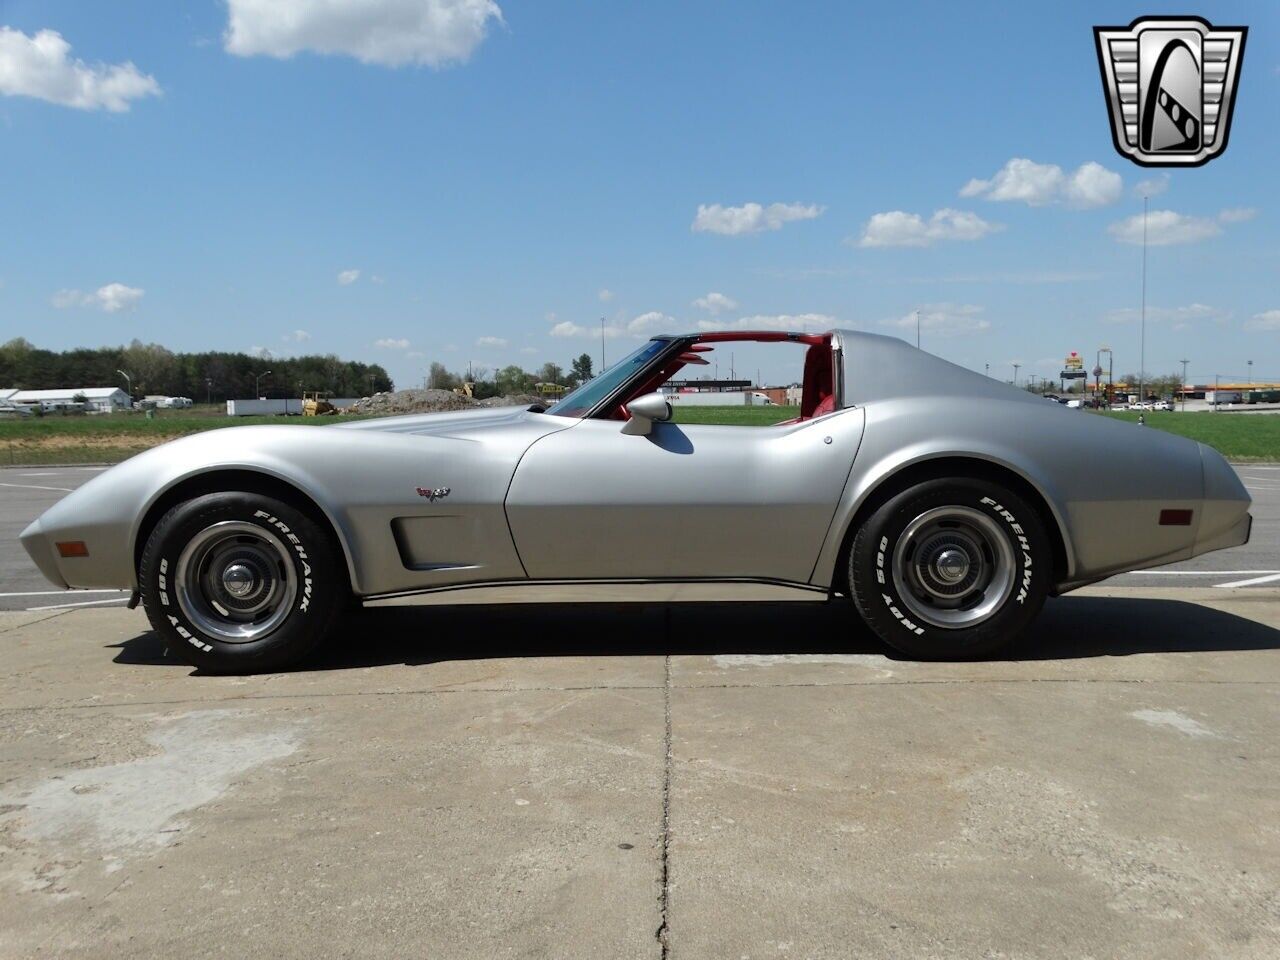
(817, 395)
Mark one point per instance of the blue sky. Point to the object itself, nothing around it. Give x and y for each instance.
(492, 179)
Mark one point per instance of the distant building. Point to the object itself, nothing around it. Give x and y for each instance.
(99, 399)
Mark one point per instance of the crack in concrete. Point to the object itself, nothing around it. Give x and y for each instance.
(664, 930)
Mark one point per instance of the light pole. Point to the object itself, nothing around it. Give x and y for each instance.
(129, 379)
(1142, 349)
(602, 367)
(917, 329)
(1015, 373)
(1111, 362)
(257, 378)
(986, 369)
(1250, 362)
(208, 390)
(1184, 385)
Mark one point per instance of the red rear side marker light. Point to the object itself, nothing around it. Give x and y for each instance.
(1175, 518)
(72, 548)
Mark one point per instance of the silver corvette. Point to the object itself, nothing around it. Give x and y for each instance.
(944, 505)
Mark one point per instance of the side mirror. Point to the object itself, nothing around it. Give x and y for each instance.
(644, 411)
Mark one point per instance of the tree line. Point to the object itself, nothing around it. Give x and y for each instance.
(211, 376)
(512, 379)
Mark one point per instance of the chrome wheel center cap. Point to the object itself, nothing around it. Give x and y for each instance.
(952, 566)
(238, 580)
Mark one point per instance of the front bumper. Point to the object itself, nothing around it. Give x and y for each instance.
(40, 549)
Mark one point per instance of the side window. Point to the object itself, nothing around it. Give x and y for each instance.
(740, 384)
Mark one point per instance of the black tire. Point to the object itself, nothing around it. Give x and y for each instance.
(298, 573)
(904, 556)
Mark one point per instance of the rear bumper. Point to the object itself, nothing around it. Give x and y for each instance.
(40, 549)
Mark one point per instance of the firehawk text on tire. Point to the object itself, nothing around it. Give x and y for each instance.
(950, 568)
(238, 581)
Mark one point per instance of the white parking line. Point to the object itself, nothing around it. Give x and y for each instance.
(1198, 573)
(32, 486)
(58, 593)
(83, 603)
(1248, 583)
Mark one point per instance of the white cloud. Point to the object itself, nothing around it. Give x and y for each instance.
(297, 336)
(1093, 185)
(567, 328)
(262, 353)
(898, 228)
(1152, 187)
(798, 322)
(605, 294)
(348, 277)
(491, 342)
(652, 322)
(1037, 184)
(943, 319)
(750, 217)
(40, 66)
(112, 298)
(1267, 320)
(1168, 227)
(392, 33)
(391, 343)
(1237, 215)
(415, 355)
(528, 349)
(715, 303)
(1178, 316)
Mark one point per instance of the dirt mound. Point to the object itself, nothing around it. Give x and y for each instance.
(429, 401)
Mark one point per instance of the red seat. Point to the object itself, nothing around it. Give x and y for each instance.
(818, 395)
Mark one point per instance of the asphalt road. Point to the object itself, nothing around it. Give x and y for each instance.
(26, 492)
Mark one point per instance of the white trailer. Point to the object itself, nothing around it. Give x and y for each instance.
(712, 398)
(1216, 397)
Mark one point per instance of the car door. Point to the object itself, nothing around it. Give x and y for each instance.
(686, 501)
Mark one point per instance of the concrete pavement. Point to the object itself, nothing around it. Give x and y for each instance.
(566, 779)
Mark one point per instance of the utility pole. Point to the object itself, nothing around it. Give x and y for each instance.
(1142, 349)
(1015, 373)
(1184, 385)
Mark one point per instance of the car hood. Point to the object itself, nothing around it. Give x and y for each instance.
(456, 423)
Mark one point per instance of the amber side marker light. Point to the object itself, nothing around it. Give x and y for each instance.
(72, 548)
(1175, 518)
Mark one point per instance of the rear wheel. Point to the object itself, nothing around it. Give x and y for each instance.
(239, 582)
(950, 569)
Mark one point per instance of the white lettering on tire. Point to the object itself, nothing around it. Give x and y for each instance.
(1024, 589)
(302, 555)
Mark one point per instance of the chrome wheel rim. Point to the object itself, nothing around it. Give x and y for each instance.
(235, 581)
(953, 567)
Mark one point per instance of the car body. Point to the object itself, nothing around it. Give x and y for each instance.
(521, 495)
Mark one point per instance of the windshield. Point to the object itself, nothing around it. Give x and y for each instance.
(581, 401)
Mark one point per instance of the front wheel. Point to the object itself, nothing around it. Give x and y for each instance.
(950, 569)
(239, 582)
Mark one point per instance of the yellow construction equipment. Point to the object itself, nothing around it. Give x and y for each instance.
(316, 404)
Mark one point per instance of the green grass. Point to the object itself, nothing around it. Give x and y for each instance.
(115, 437)
(739, 416)
(1236, 436)
(109, 439)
